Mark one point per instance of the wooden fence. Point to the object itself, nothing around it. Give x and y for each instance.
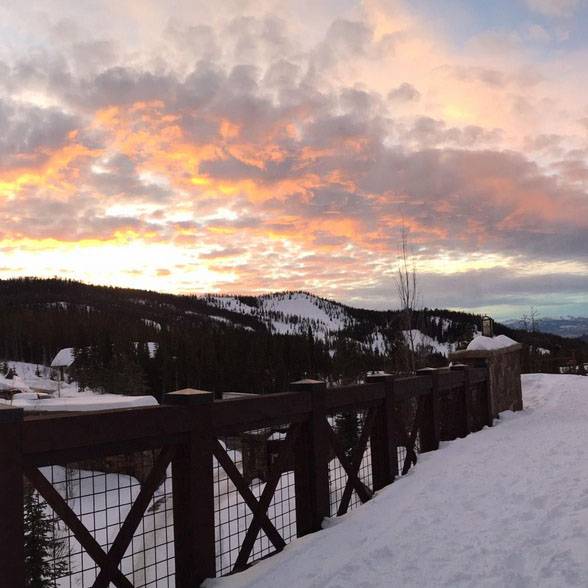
(211, 498)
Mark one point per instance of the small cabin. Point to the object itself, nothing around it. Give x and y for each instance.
(62, 363)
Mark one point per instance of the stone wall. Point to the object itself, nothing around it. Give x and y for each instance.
(504, 369)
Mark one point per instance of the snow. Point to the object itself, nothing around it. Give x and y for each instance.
(27, 371)
(102, 501)
(422, 340)
(155, 325)
(64, 358)
(278, 310)
(301, 304)
(15, 383)
(507, 506)
(379, 343)
(81, 403)
(482, 343)
(151, 348)
(66, 396)
(277, 436)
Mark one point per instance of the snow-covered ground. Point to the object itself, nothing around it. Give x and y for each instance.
(65, 396)
(505, 507)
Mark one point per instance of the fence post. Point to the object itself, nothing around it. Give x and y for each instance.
(12, 557)
(467, 398)
(193, 491)
(312, 461)
(431, 429)
(383, 438)
(489, 396)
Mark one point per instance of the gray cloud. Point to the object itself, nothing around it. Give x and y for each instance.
(123, 85)
(404, 93)
(222, 253)
(26, 129)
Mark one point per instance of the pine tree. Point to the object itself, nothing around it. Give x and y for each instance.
(348, 431)
(41, 546)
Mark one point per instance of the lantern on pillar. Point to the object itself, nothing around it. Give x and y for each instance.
(487, 326)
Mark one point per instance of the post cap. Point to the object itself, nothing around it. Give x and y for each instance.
(307, 385)
(189, 397)
(378, 378)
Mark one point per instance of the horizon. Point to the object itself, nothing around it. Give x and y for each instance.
(264, 146)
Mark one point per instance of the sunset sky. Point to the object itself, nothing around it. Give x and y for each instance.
(251, 146)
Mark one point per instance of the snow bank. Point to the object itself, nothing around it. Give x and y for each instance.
(507, 506)
(67, 396)
(482, 343)
(83, 403)
(15, 383)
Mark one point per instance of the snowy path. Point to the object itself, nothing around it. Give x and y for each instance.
(506, 507)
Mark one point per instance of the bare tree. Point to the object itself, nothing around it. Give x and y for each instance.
(407, 289)
(529, 322)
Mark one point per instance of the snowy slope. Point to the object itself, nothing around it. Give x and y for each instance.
(290, 312)
(507, 506)
(420, 340)
(297, 312)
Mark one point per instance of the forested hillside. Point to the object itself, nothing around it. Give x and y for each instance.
(134, 342)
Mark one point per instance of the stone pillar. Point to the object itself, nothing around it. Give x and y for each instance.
(504, 374)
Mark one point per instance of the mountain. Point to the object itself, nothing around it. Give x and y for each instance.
(568, 326)
(135, 341)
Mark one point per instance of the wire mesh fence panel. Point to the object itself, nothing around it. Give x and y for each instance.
(451, 413)
(348, 427)
(253, 454)
(479, 394)
(406, 415)
(101, 493)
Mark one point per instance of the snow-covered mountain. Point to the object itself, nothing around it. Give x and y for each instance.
(564, 326)
(289, 312)
(301, 313)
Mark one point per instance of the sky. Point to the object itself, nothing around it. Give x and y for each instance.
(244, 146)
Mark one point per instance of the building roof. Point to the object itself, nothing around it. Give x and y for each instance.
(64, 358)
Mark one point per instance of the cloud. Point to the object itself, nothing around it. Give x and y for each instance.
(224, 253)
(558, 8)
(254, 147)
(404, 93)
(27, 132)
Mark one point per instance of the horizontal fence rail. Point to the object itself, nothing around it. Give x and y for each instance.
(168, 496)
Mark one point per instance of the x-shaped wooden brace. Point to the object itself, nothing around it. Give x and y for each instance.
(405, 439)
(351, 465)
(108, 562)
(258, 507)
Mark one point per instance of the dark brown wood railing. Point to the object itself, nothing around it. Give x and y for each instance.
(296, 442)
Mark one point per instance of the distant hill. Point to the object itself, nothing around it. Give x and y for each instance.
(137, 341)
(568, 326)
